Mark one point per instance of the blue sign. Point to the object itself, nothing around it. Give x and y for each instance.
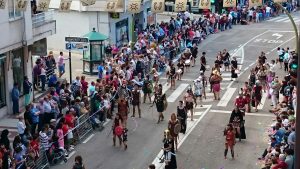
(76, 46)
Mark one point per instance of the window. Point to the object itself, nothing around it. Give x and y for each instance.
(18, 67)
(96, 52)
(195, 3)
(12, 12)
(2, 82)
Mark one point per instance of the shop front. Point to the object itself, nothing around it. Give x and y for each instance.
(2, 81)
(122, 32)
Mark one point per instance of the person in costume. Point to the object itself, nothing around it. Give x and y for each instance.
(237, 121)
(215, 81)
(123, 110)
(189, 99)
(169, 151)
(198, 89)
(173, 122)
(147, 88)
(229, 134)
(136, 97)
(182, 116)
(117, 125)
(160, 106)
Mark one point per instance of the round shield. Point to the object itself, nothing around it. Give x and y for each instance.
(177, 128)
(118, 130)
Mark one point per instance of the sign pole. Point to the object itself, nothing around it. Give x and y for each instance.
(70, 66)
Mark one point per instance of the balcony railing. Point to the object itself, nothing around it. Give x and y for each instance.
(42, 18)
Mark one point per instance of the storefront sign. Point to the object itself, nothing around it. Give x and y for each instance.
(96, 43)
(134, 6)
(229, 3)
(43, 5)
(65, 5)
(115, 15)
(204, 4)
(180, 5)
(76, 46)
(158, 6)
(76, 39)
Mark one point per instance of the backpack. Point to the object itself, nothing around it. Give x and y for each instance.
(252, 80)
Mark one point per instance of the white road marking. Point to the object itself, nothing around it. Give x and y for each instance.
(177, 92)
(88, 139)
(247, 114)
(295, 20)
(190, 127)
(203, 107)
(263, 100)
(282, 43)
(273, 19)
(226, 78)
(279, 20)
(226, 74)
(226, 97)
(107, 121)
(198, 113)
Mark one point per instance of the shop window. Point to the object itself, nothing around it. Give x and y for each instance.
(2, 82)
(12, 12)
(18, 67)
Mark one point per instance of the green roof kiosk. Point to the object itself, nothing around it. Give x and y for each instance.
(94, 55)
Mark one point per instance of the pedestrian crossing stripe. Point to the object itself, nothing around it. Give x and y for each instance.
(273, 19)
(279, 20)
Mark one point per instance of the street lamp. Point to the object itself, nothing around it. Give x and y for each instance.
(297, 143)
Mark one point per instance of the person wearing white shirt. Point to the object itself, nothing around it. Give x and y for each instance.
(268, 12)
(286, 58)
(21, 126)
(250, 14)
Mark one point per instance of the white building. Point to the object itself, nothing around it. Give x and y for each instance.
(82, 19)
(23, 35)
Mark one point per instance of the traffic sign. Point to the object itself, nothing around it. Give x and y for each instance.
(76, 39)
(76, 46)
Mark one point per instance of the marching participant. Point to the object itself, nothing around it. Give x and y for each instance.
(169, 151)
(160, 101)
(147, 88)
(215, 81)
(229, 134)
(188, 99)
(174, 128)
(182, 116)
(123, 110)
(240, 103)
(198, 91)
(237, 121)
(136, 97)
(203, 79)
(117, 129)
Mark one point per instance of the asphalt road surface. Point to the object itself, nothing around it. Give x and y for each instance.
(202, 146)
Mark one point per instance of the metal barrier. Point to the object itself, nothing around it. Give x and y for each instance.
(83, 127)
(41, 18)
(40, 163)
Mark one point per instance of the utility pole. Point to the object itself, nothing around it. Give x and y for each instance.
(297, 143)
(70, 65)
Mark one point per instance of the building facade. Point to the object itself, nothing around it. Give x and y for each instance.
(24, 35)
(80, 20)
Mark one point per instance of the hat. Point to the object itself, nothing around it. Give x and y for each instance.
(52, 120)
(72, 109)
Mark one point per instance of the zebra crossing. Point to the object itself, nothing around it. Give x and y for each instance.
(284, 19)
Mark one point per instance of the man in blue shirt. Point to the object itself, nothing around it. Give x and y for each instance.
(15, 95)
(34, 113)
(100, 70)
(280, 132)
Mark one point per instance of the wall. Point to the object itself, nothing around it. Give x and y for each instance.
(71, 23)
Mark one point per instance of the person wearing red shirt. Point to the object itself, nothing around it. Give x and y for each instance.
(84, 85)
(69, 118)
(240, 102)
(281, 164)
(229, 134)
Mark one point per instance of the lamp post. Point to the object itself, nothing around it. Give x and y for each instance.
(297, 143)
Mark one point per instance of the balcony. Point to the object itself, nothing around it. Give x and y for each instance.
(43, 25)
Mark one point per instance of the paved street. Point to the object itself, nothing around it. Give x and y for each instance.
(203, 144)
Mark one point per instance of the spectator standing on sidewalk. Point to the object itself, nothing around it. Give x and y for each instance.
(61, 64)
(27, 90)
(15, 96)
(78, 163)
